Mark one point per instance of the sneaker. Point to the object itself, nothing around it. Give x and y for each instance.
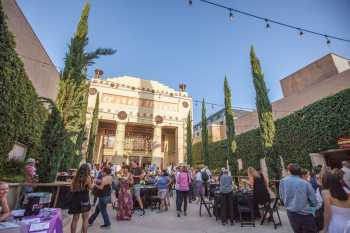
(143, 212)
(105, 226)
(178, 214)
(185, 214)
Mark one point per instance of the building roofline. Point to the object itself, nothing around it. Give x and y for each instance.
(311, 63)
(36, 36)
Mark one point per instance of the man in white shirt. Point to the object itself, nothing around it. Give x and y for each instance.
(346, 170)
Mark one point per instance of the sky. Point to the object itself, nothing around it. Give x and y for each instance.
(172, 42)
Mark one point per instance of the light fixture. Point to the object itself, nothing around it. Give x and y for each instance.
(328, 41)
(190, 2)
(301, 33)
(267, 23)
(231, 15)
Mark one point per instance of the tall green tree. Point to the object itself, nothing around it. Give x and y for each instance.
(264, 110)
(205, 139)
(52, 144)
(73, 88)
(93, 130)
(189, 139)
(230, 130)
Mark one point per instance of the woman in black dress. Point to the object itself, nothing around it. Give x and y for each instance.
(260, 188)
(80, 202)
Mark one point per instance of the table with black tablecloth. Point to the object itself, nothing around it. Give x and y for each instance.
(146, 193)
(236, 203)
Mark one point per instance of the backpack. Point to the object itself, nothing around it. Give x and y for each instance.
(205, 176)
(184, 182)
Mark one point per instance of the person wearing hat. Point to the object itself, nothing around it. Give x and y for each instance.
(30, 173)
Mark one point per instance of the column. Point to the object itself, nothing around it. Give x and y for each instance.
(157, 156)
(118, 149)
(180, 144)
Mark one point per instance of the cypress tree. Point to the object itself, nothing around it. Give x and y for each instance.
(264, 110)
(189, 139)
(73, 88)
(205, 140)
(230, 130)
(93, 131)
(53, 142)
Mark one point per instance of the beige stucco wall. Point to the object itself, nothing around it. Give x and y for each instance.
(287, 105)
(39, 67)
(319, 70)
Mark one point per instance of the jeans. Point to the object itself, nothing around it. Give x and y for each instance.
(101, 207)
(302, 223)
(182, 199)
(226, 201)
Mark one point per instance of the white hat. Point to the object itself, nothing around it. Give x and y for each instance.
(30, 160)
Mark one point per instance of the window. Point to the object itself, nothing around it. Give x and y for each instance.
(109, 140)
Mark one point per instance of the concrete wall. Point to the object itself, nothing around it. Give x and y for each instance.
(315, 72)
(292, 103)
(38, 65)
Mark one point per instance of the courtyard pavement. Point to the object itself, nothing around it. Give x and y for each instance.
(167, 222)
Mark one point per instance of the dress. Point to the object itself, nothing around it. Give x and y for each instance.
(79, 202)
(261, 194)
(125, 203)
(339, 219)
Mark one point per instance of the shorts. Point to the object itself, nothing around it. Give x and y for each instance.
(162, 193)
(136, 190)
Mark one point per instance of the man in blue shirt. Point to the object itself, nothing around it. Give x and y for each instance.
(298, 196)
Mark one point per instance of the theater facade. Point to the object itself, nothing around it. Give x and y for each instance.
(139, 119)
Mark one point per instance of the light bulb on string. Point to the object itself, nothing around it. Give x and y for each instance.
(328, 41)
(189, 2)
(301, 33)
(267, 23)
(231, 15)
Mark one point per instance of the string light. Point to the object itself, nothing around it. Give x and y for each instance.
(231, 15)
(328, 41)
(270, 21)
(301, 33)
(190, 2)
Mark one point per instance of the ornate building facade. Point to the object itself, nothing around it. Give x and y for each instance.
(140, 120)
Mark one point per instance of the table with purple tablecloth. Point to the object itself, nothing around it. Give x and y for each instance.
(51, 216)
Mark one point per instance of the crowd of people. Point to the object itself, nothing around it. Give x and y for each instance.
(316, 201)
(126, 181)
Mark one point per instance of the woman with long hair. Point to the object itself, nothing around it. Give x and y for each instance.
(104, 197)
(336, 203)
(259, 184)
(80, 202)
(125, 203)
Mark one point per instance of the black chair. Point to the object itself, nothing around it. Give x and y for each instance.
(268, 209)
(207, 204)
(246, 208)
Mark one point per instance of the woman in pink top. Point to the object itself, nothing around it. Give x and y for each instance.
(183, 184)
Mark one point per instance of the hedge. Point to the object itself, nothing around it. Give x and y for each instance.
(22, 115)
(312, 129)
